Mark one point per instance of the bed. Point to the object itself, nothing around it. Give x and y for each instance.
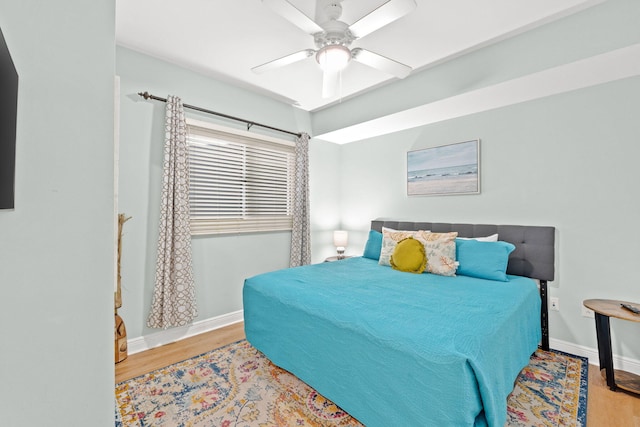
(395, 348)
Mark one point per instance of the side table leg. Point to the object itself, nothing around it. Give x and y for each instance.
(603, 333)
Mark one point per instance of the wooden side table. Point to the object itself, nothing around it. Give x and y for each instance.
(604, 309)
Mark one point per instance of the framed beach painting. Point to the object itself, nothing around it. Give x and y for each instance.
(446, 169)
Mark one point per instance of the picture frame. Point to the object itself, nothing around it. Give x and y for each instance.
(444, 170)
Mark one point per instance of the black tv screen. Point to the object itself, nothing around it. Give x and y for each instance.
(8, 114)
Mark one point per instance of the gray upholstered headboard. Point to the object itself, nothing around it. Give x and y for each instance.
(533, 257)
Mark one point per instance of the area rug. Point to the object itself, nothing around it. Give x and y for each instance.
(550, 391)
(236, 385)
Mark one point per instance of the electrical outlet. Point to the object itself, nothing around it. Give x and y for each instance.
(555, 304)
(587, 312)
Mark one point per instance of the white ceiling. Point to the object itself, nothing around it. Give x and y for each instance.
(226, 38)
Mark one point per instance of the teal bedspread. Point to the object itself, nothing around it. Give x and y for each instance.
(394, 348)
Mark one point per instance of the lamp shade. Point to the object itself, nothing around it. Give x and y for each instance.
(333, 58)
(340, 238)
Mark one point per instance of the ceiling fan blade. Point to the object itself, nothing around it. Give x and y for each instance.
(381, 63)
(285, 60)
(293, 15)
(383, 15)
(330, 82)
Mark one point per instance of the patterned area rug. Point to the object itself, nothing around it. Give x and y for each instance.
(550, 391)
(237, 386)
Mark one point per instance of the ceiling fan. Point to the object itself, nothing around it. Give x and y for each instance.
(333, 37)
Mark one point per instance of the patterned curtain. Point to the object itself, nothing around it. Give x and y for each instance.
(174, 301)
(301, 231)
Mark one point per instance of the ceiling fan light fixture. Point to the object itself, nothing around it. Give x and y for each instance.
(333, 58)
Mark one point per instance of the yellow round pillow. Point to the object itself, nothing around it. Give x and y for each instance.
(409, 255)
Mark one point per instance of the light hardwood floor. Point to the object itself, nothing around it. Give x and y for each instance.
(605, 407)
(159, 357)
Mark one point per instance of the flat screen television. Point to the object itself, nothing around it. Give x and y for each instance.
(8, 115)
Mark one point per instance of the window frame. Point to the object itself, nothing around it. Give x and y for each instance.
(201, 224)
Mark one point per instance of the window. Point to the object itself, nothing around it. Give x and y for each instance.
(239, 181)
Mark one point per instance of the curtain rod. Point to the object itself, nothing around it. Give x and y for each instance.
(147, 95)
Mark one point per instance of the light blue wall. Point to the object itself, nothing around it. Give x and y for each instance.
(56, 246)
(325, 188)
(221, 263)
(568, 161)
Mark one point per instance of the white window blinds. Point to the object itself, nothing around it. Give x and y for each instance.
(239, 182)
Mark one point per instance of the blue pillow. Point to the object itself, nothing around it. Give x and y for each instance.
(484, 260)
(374, 245)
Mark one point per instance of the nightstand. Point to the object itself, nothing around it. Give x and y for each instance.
(604, 309)
(335, 258)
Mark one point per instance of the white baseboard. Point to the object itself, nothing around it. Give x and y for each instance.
(619, 362)
(168, 336)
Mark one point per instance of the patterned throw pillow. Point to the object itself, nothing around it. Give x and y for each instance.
(409, 256)
(441, 253)
(390, 239)
(440, 249)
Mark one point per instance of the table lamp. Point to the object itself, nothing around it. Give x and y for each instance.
(340, 238)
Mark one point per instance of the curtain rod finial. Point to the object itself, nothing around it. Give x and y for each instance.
(145, 95)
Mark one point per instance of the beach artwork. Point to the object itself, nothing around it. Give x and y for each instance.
(447, 169)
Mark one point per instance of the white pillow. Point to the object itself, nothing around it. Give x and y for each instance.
(492, 238)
